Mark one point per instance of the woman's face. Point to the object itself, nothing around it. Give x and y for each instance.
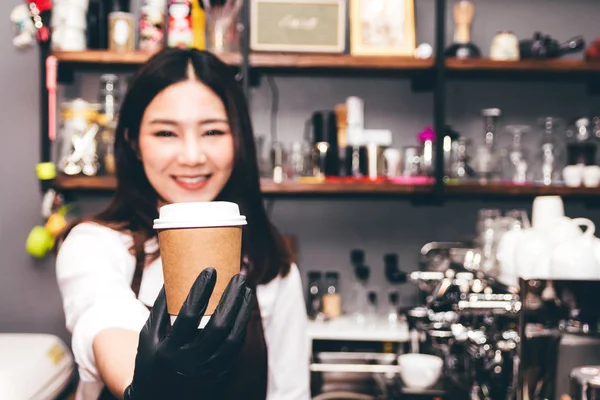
(185, 143)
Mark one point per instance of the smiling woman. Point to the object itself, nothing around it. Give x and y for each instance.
(184, 135)
(187, 151)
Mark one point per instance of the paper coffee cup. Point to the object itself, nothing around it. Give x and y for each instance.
(193, 237)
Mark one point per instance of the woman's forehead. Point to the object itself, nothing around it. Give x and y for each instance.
(186, 100)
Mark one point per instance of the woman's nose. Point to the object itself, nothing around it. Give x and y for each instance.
(191, 153)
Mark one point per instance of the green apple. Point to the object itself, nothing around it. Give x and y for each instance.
(39, 242)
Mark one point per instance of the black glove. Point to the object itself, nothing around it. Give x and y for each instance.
(188, 362)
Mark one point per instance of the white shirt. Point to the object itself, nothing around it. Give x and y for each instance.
(94, 269)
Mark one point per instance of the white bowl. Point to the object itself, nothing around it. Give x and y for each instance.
(420, 371)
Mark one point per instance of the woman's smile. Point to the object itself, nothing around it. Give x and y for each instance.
(191, 182)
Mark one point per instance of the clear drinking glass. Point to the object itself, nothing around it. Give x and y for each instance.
(517, 164)
(551, 158)
(487, 234)
(222, 25)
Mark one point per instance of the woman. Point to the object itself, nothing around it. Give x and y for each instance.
(184, 135)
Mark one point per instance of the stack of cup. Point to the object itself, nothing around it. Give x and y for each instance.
(193, 237)
(546, 211)
(69, 25)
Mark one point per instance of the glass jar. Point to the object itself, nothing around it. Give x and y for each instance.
(76, 145)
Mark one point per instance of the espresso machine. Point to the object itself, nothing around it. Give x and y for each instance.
(471, 323)
(525, 342)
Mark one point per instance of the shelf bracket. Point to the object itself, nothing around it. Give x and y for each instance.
(45, 151)
(593, 86)
(65, 75)
(422, 82)
(439, 95)
(426, 200)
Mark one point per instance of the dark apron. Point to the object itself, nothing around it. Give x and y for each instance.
(248, 379)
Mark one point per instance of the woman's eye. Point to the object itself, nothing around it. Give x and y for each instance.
(164, 134)
(213, 132)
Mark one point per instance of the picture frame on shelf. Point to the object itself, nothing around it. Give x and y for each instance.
(382, 28)
(303, 26)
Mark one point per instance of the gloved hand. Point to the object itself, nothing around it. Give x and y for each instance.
(188, 362)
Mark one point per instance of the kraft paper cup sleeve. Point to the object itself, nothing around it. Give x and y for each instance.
(186, 252)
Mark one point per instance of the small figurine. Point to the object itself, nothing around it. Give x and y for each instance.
(25, 31)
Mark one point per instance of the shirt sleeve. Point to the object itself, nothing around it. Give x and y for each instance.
(94, 274)
(287, 342)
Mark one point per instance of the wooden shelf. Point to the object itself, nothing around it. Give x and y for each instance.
(298, 61)
(337, 61)
(109, 183)
(512, 190)
(100, 57)
(335, 188)
(109, 57)
(260, 60)
(552, 65)
(87, 183)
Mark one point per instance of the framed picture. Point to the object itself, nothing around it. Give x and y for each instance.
(315, 26)
(382, 27)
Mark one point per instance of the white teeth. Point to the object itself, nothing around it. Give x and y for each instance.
(191, 180)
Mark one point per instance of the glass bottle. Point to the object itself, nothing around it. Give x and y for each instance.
(460, 168)
(393, 318)
(361, 275)
(332, 301)
(551, 157)
(109, 99)
(487, 162)
(371, 317)
(314, 294)
(487, 237)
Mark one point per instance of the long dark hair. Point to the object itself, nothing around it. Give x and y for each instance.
(135, 203)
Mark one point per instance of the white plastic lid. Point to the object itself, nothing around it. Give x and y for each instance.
(199, 215)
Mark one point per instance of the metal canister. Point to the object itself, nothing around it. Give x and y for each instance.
(579, 378)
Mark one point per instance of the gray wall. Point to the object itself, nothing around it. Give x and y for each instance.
(327, 229)
(29, 299)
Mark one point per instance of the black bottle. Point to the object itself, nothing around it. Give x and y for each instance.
(313, 296)
(392, 272)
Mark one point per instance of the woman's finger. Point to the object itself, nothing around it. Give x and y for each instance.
(185, 327)
(235, 340)
(221, 322)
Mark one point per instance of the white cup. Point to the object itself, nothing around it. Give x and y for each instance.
(82, 4)
(546, 210)
(66, 38)
(65, 14)
(591, 176)
(572, 174)
(193, 237)
(392, 161)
